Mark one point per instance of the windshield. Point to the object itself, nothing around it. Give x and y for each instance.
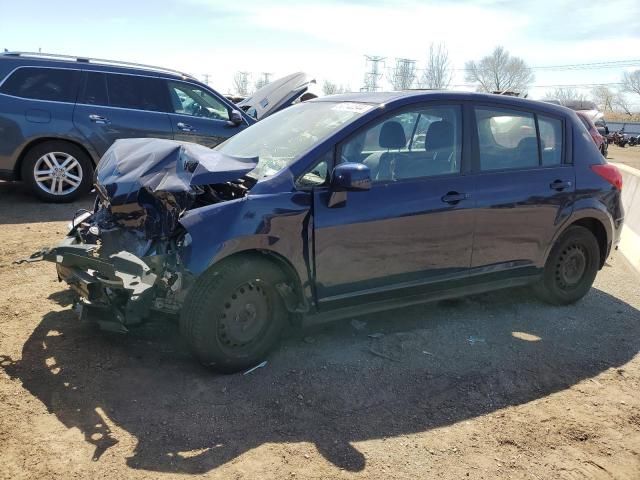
(281, 138)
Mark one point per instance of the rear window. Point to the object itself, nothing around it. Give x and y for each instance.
(52, 84)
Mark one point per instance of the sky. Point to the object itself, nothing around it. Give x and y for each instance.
(329, 39)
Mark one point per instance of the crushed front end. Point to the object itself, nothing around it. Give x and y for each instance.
(122, 259)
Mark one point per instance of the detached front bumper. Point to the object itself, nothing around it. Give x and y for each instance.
(120, 288)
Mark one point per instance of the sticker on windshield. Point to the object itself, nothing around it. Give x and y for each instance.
(352, 107)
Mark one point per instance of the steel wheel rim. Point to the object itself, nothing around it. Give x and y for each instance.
(58, 173)
(245, 316)
(571, 267)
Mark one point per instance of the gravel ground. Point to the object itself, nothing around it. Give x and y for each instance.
(628, 155)
(491, 386)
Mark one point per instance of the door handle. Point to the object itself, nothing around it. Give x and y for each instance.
(454, 197)
(559, 185)
(98, 119)
(185, 127)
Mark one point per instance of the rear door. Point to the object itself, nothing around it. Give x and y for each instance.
(415, 225)
(524, 187)
(199, 116)
(113, 106)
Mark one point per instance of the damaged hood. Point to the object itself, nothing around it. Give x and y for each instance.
(278, 94)
(148, 183)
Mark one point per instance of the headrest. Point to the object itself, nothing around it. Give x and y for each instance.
(392, 135)
(439, 136)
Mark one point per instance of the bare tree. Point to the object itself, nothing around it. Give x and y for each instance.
(622, 102)
(564, 95)
(403, 75)
(604, 97)
(437, 72)
(330, 88)
(241, 83)
(500, 72)
(631, 82)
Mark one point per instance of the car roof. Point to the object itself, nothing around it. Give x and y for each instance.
(19, 59)
(413, 96)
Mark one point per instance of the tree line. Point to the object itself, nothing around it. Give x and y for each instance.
(499, 72)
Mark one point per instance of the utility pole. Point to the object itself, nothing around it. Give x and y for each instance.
(373, 74)
(264, 80)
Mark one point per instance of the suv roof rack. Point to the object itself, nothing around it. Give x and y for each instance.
(99, 61)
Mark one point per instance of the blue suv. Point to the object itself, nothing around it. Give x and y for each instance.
(59, 115)
(341, 206)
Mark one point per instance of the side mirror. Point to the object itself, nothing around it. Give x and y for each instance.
(348, 177)
(235, 118)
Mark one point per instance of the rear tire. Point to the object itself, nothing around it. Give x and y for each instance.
(571, 267)
(234, 315)
(57, 171)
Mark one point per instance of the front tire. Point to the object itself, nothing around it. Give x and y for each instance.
(234, 315)
(571, 267)
(57, 171)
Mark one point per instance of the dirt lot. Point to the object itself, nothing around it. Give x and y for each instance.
(628, 155)
(493, 386)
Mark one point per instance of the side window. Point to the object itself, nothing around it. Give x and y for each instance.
(318, 174)
(550, 140)
(187, 99)
(43, 84)
(95, 90)
(423, 142)
(507, 139)
(139, 93)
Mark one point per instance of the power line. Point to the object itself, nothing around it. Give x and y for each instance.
(574, 85)
(581, 66)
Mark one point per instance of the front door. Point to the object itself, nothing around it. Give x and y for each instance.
(198, 116)
(415, 225)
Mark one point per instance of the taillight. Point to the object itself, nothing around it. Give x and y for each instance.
(610, 173)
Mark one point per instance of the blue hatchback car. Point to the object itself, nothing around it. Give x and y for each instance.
(341, 206)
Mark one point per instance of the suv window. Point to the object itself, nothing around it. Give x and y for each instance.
(506, 138)
(192, 100)
(423, 142)
(95, 90)
(136, 92)
(53, 84)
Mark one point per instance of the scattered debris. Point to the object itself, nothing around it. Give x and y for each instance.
(473, 340)
(427, 353)
(260, 365)
(358, 324)
(376, 335)
(382, 355)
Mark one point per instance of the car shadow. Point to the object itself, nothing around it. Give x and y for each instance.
(378, 376)
(18, 205)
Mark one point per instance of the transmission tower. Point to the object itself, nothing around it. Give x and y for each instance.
(265, 79)
(206, 78)
(373, 74)
(403, 74)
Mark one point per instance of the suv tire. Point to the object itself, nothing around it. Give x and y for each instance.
(65, 171)
(571, 267)
(234, 315)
